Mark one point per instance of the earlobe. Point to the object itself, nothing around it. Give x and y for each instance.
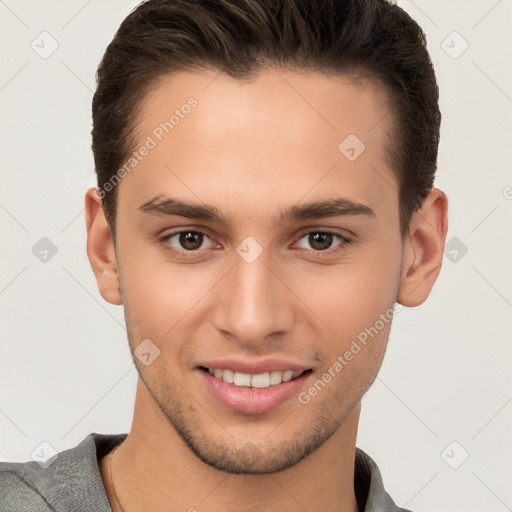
(423, 250)
(100, 248)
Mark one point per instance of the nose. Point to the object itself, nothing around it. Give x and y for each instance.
(253, 304)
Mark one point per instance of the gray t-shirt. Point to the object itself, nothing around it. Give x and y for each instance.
(72, 481)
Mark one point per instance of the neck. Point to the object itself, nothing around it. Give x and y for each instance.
(153, 456)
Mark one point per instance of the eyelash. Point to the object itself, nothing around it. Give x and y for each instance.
(342, 246)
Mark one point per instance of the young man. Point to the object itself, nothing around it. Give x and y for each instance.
(265, 203)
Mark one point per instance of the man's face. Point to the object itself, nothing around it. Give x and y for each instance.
(266, 286)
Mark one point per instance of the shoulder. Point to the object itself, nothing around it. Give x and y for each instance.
(67, 481)
(369, 486)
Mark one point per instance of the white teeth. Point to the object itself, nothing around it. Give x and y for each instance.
(241, 379)
(228, 376)
(276, 378)
(260, 381)
(287, 376)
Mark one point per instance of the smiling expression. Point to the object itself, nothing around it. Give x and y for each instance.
(252, 252)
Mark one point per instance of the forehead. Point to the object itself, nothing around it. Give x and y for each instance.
(302, 132)
(275, 100)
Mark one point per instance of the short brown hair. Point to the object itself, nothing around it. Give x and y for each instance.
(240, 37)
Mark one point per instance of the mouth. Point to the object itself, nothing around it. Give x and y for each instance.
(260, 381)
(253, 393)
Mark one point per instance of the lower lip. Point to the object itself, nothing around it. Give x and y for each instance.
(252, 400)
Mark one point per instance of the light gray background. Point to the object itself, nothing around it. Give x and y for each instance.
(65, 368)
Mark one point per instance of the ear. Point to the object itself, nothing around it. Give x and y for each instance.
(423, 250)
(100, 248)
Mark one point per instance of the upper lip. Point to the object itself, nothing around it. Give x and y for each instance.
(254, 366)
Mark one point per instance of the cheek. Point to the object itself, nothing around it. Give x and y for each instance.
(159, 296)
(355, 305)
(349, 298)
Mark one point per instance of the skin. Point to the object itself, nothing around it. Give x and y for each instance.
(253, 150)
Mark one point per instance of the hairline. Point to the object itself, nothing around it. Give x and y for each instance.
(357, 75)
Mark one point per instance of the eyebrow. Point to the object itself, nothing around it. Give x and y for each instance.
(167, 206)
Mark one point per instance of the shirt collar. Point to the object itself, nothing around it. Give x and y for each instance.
(369, 488)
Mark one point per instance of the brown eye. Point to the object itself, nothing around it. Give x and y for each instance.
(322, 241)
(190, 240)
